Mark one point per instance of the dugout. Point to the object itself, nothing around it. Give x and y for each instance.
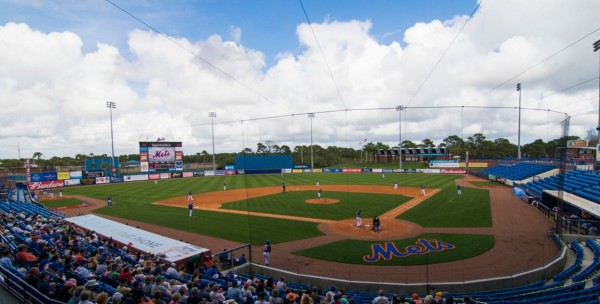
(260, 164)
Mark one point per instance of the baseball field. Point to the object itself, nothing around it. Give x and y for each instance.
(483, 232)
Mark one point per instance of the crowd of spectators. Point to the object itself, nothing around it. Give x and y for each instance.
(70, 265)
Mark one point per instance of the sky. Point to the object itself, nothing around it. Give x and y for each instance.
(262, 66)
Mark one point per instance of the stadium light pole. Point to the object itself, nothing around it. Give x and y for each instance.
(399, 109)
(596, 48)
(312, 164)
(519, 127)
(111, 105)
(212, 116)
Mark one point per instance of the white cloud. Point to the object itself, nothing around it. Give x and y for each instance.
(53, 94)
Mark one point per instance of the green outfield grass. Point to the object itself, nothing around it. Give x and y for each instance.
(132, 201)
(294, 203)
(353, 251)
(448, 209)
(61, 202)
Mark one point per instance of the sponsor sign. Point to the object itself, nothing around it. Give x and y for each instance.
(102, 180)
(229, 172)
(63, 175)
(444, 164)
(333, 170)
(297, 171)
(176, 174)
(154, 176)
(161, 155)
(453, 171)
(165, 175)
(45, 185)
(179, 166)
(306, 170)
(219, 172)
(377, 170)
(144, 149)
(429, 171)
(352, 170)
(241, 171)
(230, 167)
(286, 171)
(144, 166)
(443, 161)
(388, 170)
(209, 173)
(317, 170)
(171, 250)
(116, 180)
(94, 174)
(178, 156)
(76, 174)
(88, 181)
(43, 176)
(144, 156)
(474, 165)
(188, 174)
(140, 177)
(72, 182)
(301, 166)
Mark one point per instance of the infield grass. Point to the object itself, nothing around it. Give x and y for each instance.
(353, 251)
(133, 200)
(294, 204)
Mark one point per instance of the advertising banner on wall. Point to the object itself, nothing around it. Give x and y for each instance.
(229, 172)
(45, 185)
(103, 180)
(220, 172)
(439, 164)
(72, 182)
(63, 175)
(352, 170)
(133, 178)
(286, 171)
(165, 175)
(188, 174)
(116, 180)
(76, 174)
(153, 176)
(429, 171)
(43, 176)
(453, 171)
(209, 173)
(144, 166)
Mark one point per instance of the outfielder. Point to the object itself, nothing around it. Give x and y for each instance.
(358, 219)
(191, 207)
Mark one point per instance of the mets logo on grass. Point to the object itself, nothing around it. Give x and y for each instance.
(388, 250)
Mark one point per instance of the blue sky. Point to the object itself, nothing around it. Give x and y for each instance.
(267, 25)
(249, 60)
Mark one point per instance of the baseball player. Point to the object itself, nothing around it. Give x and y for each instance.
(267, 252)
(283, 187)
(358, 219)
(423, 190)
(109, 201)
(190, 197)
(191, 207)
(225, 186)
(459, 189)
(318, 183)
(396, 185)
(319, 193)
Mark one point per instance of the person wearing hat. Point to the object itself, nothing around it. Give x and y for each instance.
(90, 285)
(5, 260)
(65, 292)
(116, 298)
(416, 299)
(23, 256)
(381, 298)
(336, 299)
(44, 286)
(290, 295)
(159, 286)
(267, 252)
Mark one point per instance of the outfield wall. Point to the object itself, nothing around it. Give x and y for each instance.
(543, 273)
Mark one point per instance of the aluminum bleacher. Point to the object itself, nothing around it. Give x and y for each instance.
(519, 171)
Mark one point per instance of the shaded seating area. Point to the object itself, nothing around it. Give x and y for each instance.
(519, 171)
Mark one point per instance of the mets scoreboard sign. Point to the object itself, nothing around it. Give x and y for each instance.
(160, 155)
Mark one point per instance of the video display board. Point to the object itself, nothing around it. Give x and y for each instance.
(161, 156)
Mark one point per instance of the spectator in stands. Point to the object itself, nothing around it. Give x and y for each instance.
(126, 274)
(23, 257)
(234, 292)
(217, 294)
(5, 260)
(275, 299)
(148, 284)
(316, 295)
(33, 276)
(449, 300)
(76, 295)
(159, 285)
(89, 287)
(83, 271)
(241, 260)
(87, 297)
(281, 286)
(172, 271)
(65, 293)
(261, 299)
(467, 300)
(175, 298)
(102, 298)
(380, 298)
(416, 299)
(336, 299)
(290, 295)
(116, 298)
(158, 298)
(122, 288)
(44, 286)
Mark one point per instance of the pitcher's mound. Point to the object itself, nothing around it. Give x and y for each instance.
(322, 201)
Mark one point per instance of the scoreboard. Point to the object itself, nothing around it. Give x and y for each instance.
(161, 156)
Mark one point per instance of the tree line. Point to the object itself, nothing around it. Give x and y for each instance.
(478, 146)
